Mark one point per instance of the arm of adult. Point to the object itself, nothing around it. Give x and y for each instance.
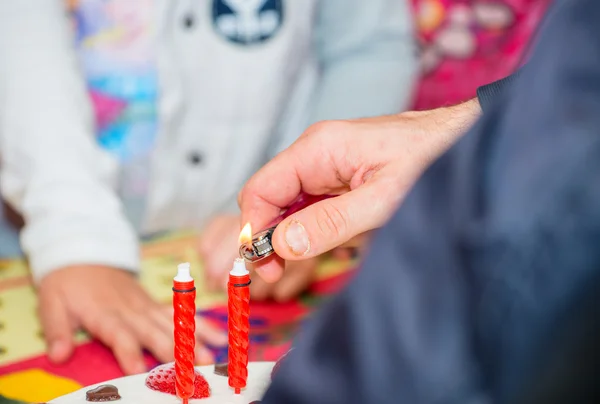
(371, 163)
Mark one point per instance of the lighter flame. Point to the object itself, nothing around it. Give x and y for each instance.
(246, 234)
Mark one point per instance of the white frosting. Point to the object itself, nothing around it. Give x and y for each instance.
(133, 390)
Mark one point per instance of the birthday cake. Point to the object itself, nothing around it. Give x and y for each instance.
(212, 385)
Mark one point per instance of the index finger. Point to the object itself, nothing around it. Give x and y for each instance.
(305, 166)
(268, 192)
(262, 200)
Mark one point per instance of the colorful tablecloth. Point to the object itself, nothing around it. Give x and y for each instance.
(27, 375)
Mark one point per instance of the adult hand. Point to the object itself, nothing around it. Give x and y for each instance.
(111, 305)
(219, 247)
(370, 163)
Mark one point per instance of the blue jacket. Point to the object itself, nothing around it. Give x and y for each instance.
(466, 292)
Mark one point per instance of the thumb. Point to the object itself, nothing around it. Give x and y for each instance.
(332, 222)
(58, 332)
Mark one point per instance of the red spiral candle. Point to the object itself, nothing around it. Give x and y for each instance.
(184, 316)
(238, 324)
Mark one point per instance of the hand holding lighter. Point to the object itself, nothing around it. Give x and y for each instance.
(261, 246)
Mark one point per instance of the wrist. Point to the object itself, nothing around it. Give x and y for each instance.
(459, 118)
(438, 129)
(446, 125)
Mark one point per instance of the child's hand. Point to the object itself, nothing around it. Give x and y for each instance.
(297, 277)
(111, 305)
(218, 247)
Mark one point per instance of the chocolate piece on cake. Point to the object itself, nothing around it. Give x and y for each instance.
(255, 402)
(221, 369)
(106, 392)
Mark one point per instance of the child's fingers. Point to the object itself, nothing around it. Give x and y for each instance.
(150, 333)
(218, 259)
(212, 236)
(296, 279)
(218, 266)
(203, 356)
(259, 289)
(113, 331)
(56, 325)
(164, 317)
(127, 350)
(210, 334)
(269, 269)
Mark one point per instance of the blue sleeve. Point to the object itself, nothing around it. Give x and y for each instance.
(462, 294)
(487, 93)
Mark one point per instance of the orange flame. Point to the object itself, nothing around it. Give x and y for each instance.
(246, 234)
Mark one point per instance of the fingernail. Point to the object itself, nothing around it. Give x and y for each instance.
(296, 238)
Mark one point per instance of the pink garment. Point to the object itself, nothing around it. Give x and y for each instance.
(468, 43)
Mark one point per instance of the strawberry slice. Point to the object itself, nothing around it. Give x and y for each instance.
(162, 378)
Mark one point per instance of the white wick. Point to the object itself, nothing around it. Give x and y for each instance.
(239, 268)
(183, 273)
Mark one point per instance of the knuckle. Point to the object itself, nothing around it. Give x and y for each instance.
(325, 127)
(140, 304)
(332, 222)
(316, 128)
